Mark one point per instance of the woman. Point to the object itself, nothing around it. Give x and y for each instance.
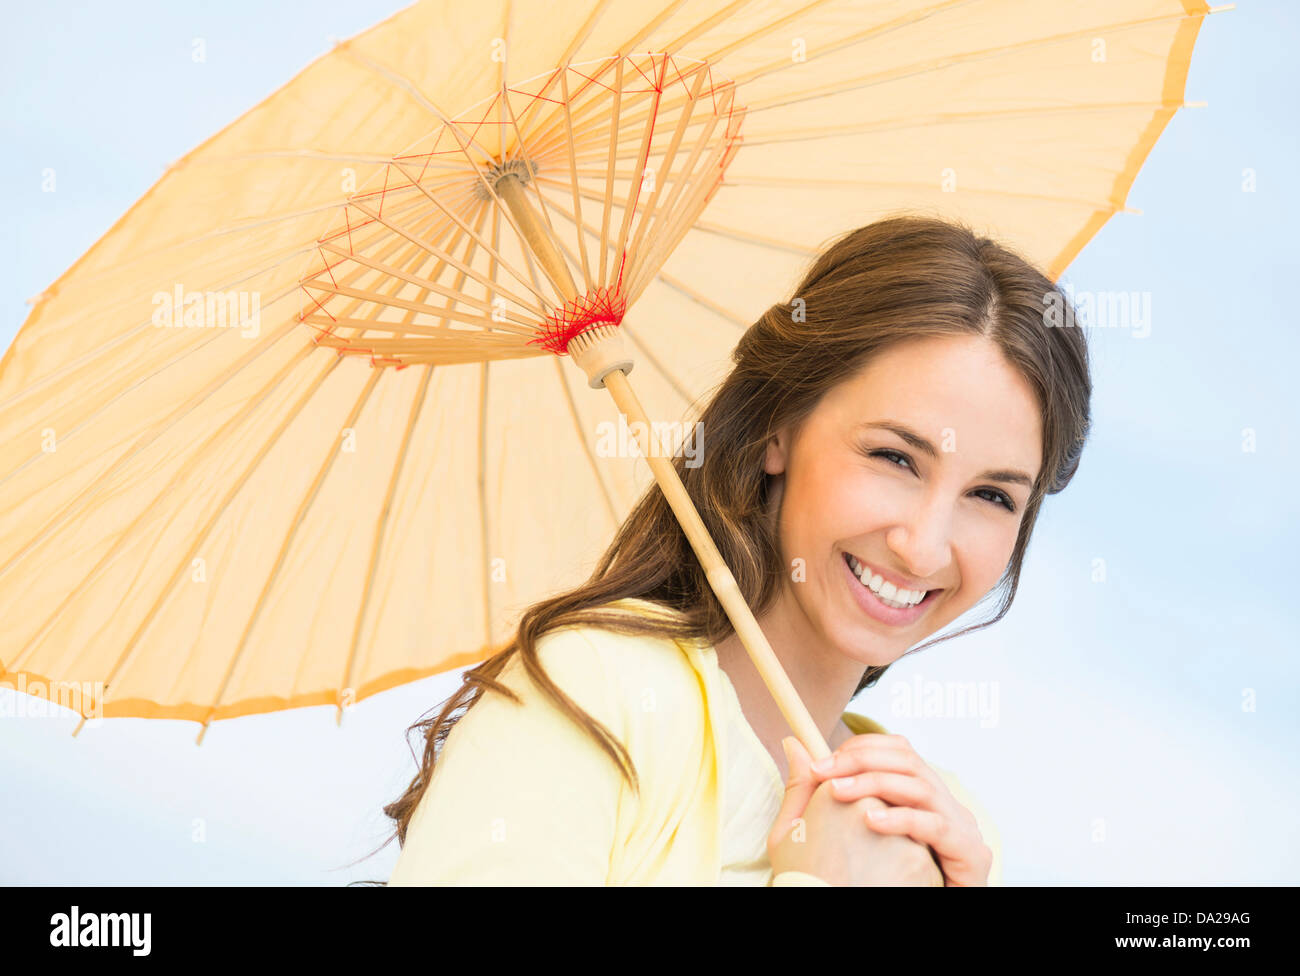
(875, 464)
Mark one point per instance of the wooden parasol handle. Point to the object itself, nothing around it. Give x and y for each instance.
(720, 578)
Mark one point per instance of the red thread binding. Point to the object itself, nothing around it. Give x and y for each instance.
(603, 305)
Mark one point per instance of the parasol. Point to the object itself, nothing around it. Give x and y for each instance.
(305, 423)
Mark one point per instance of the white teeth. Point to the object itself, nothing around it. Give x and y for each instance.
(889, 594)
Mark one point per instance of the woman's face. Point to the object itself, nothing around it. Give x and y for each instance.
(908, 469)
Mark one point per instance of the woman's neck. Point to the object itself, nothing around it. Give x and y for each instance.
(824, 679)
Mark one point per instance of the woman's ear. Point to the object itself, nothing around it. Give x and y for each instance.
(777, 446)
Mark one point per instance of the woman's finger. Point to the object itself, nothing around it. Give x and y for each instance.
(922, 807)
(876, 752)
(894, 788)
(963, 856)
(872, 751)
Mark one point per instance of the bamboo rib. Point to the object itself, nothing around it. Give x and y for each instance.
(744, 237)
(590, 138)
(464, 143)
(231, 425)
(698, 297)
(172, 247)
(524, 303)
(381, 533)
(939, 64)
(609, 178)
(639, 269)
(758, 240)
(87, 359)
(681, 183)
(850, 40)
(426, 283)
(634, 189)
(485, 558)
(677, 285)
(631, 43)
(669, 377)
(403, 303)
(183, 410)
(300, 517)
(96, 570)
(354, 663)
(592, 112)
(863, 36)
(931, 119)
(671, 104)
(1089, 203)
(277, 257)
(573, 181)
(483, 347)
(131, 650)
(671, 235)
(519, 141)
(405, 84)
(389, 244)
(502, 71)
(432, 331)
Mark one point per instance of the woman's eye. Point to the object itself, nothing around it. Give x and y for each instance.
(999, 498)
(893, 457)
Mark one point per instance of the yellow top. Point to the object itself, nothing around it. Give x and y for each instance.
(521, 795)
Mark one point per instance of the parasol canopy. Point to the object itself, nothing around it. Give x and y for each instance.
(302, 425)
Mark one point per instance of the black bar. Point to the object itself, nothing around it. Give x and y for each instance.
(209, 925)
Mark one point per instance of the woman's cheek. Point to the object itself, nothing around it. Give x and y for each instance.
(876, 501)
(985, 544)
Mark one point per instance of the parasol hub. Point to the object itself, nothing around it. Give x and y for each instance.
(587, 329)
(521, 169)
(600, 351)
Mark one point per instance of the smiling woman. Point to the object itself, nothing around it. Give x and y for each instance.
(876, 462)
(921, 502)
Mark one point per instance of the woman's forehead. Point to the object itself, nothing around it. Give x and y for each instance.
(957, 389)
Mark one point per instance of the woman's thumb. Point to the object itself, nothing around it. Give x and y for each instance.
(799, 785)
(796, 755)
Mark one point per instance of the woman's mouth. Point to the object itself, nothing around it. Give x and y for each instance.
(883, 600)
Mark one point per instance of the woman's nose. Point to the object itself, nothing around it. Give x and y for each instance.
(921, 538)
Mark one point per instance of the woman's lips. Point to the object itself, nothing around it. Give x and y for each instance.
(873, 607)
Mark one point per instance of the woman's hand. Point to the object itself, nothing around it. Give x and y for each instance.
(886, 766)
(822, 836)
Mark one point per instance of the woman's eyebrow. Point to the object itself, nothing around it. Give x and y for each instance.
(924, 446)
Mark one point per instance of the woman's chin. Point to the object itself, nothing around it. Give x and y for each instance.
(864, 646)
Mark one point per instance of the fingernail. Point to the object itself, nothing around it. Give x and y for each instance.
(878, 813)
(824, 765)
(843, 782)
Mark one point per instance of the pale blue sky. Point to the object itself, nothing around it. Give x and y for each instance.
(1122, 753)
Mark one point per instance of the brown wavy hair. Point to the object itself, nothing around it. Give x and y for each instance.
(901, 278)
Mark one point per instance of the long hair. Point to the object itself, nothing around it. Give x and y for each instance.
(897, 279)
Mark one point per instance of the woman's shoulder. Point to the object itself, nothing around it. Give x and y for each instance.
(615, 647)
(644, 673)
(861, 725)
